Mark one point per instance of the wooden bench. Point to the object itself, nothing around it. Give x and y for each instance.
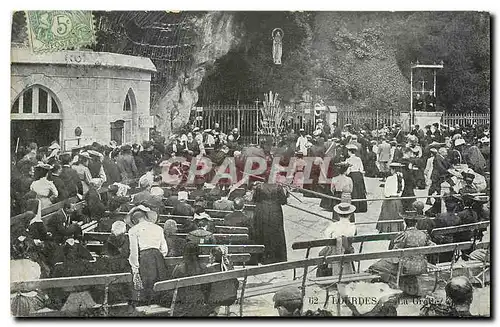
(175, 284)
(204, 248)
(219, 238)
(308, 245)
(163, 218)
(460, 228)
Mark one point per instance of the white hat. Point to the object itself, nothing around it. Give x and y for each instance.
(196, 129)
(344, 208)
(485, 140)
(395, 164)
(459, 142)
(54, 146)
(351, 147)
(317, 132)
(182, 195)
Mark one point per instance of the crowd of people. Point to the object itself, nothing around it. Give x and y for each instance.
(404, 161)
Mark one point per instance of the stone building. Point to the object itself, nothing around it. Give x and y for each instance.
(54, 95)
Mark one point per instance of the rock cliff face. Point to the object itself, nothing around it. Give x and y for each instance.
(355, 60)
(217, 34)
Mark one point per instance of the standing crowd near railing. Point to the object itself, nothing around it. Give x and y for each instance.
(102, 216)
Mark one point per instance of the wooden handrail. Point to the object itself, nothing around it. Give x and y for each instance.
(264, 269)
(460, 228)
(352, 239)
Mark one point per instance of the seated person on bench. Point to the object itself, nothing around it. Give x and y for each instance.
(175, 243)
(190, 300)
(200, 191)
(459, 296)
(182, 208)
(409, 238)
(117, 244)
(482, 254)
(224, 292)
(238, 218)
(339, 230)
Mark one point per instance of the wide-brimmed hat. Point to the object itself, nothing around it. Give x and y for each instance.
(351, 147)
(435, 144)
(287, 294)
(54, 146)
(43, 166)
(126, 147)
(208, 130)
(347, 125)
(396, 165)
(94, 153)
(344, 208)
(84, 154)
(459, 142)
(196, 129)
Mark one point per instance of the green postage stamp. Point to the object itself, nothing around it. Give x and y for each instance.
(59, 30)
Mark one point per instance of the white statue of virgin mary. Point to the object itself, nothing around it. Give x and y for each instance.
(277, 45)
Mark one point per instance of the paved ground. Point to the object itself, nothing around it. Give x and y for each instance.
(300, 226)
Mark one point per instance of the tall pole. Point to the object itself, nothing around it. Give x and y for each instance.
(412, 118)
(434, 82)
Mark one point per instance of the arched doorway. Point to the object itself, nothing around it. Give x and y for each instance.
(35, 117)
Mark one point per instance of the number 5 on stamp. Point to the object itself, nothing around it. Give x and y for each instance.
(59, 30)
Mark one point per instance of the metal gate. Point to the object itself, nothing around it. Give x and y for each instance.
(244, 117)
(373, 120)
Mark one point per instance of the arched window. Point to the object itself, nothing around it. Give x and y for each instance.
(129, 103)
(35, 100)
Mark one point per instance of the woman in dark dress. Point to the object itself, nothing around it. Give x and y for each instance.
(409, 184)
(268, 221)
(356, 173)
(191, 300)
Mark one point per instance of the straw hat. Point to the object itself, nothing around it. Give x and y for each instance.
(459, 142)
(344, 208)
(351, 147)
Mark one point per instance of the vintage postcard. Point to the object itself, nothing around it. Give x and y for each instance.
(250, 164)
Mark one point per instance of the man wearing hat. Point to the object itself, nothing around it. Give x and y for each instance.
(126, 164)
(439, 172)
(209, 139)
(288, 301)
(301, 144)
(384, 156)
(95, 165)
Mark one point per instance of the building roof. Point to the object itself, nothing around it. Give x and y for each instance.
(82, 58)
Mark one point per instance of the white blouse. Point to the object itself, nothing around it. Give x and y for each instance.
(356, 164)
(340, 228)
(145, 235)
(391, 186)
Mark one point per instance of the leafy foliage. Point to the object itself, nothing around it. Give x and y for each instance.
(462, 41)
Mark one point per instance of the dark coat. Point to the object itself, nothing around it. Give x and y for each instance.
(70, 178)
(268, 222)
(95, 207)
(239, 219)
(112, 171)
(61, 188)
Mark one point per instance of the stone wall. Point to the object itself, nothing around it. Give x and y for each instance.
(90, 89)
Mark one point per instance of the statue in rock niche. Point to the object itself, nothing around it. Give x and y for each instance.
(277, 35)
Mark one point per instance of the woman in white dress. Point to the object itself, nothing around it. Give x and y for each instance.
(45, 190)
(392, 208)
(340, 230)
